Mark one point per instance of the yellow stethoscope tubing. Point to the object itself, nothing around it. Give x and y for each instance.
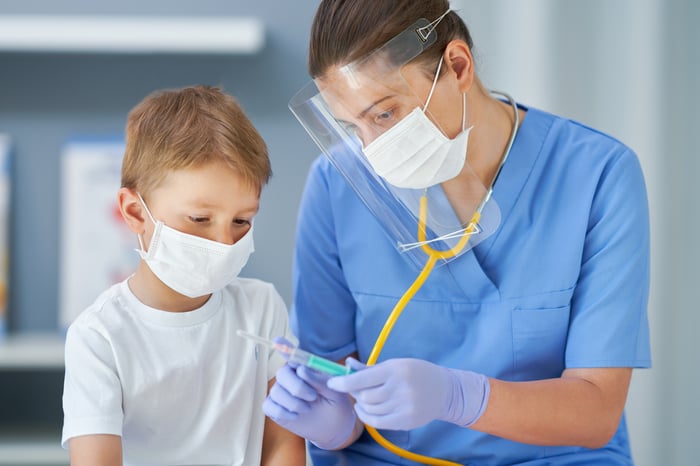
(433, 257)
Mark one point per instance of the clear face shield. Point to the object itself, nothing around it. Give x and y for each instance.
(370, 118)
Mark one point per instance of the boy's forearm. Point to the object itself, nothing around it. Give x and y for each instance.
(286, 451)
(96, 450)
(281, 447)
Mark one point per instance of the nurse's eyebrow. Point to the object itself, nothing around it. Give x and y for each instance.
(374, 104)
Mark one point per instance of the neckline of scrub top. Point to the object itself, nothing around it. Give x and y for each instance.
(510, 183)
(521, 161)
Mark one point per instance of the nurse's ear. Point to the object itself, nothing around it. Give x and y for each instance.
(132, 210)
(460, 64)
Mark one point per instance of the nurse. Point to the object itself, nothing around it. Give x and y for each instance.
(484, 265)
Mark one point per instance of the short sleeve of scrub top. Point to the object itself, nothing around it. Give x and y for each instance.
(562, 283)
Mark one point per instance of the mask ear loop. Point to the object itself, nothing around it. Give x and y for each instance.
(432, 88)
(138, 235)
(143, 203)
(464, 97)
(464, 111)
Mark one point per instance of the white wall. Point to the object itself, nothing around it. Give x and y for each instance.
(629, 68)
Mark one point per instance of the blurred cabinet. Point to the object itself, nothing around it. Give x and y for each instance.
(32, 416)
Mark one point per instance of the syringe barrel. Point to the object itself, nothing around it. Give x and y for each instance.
(318, 363)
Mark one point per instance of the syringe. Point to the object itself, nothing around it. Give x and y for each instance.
(299, 356)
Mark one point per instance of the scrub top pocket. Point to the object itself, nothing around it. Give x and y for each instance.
(539, 340)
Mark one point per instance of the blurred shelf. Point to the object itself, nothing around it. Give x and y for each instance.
(32, 351)
(131, 34)
(35, 447)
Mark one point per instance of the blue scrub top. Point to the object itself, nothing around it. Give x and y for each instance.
(563, 283)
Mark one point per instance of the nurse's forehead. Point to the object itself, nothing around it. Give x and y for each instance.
(349, 81)
(349, 101)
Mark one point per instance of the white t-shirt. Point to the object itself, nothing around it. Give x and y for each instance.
(179, 388)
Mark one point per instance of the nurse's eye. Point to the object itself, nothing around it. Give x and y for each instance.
(384, 117)
(197, 219)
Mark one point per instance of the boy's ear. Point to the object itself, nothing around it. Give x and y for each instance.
(132, 210)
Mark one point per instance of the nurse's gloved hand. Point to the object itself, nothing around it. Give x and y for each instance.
(402, 394)
(301, 402)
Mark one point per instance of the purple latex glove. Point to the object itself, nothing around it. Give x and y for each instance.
(301, 402)
(402, 394)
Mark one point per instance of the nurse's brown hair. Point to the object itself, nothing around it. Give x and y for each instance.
(346, 30)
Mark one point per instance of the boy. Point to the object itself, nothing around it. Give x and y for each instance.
(155, 373)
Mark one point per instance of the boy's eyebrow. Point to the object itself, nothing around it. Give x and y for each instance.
(196, 203)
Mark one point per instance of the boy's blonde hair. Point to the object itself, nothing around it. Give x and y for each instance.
(181, 128)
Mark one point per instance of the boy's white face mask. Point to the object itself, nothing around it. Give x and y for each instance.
(191, 265)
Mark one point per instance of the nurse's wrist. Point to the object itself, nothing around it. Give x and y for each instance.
(467, 397)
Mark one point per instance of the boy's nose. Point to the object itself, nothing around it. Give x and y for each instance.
(225, 237)
(229, 236)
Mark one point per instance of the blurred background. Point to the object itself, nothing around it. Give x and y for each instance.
(629, 68)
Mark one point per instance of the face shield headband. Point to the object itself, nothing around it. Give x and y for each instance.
(364, 104)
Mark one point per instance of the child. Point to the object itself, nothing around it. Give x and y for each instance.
(155, 373)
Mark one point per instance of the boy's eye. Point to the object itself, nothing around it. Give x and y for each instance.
(196, 219)
(241, 221)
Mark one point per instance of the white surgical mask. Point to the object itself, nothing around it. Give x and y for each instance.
(414, 153)
(191, 265)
